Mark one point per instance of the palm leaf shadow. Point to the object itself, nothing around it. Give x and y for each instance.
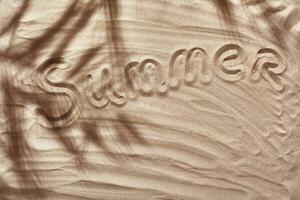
(18, 150)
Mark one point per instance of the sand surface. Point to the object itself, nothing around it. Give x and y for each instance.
(149, 99)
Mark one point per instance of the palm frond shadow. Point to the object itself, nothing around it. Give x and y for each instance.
(18, 150)
(14, 22)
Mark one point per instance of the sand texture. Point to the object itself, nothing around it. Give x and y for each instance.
(149, 99)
